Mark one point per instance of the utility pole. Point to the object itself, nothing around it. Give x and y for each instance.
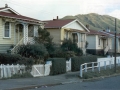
(115, 45)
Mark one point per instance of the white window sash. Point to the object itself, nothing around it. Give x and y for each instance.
(9, 31)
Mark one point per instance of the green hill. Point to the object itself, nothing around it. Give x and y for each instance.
(96, 21)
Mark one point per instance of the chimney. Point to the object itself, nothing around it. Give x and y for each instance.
(87, 26)
(57, 17)
(6, 6)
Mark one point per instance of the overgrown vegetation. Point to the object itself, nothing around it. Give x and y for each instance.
(77, 61)
(16, 59)
(58, 66)
(35, 51)
(102, 73)
(45, 39)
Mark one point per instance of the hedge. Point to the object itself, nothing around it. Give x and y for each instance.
(77, 61)
(14, 59)
(58, 66)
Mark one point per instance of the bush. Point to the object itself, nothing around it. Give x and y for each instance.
(36, 51)
(68, 45)
(9, 59)
(58, 66)
(77, 61)
(59, 53)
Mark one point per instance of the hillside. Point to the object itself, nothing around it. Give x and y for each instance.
(96, 21)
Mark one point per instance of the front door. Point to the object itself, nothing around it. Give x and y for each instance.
(19, 32)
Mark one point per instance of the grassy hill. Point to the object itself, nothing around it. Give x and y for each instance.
(96, 21)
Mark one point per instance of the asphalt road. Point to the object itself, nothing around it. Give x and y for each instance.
(111, 83)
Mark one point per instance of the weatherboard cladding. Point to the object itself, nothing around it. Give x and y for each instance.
(57, 23)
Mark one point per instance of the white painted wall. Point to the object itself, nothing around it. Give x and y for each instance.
(91, 39)
(97, 43)
(74, 25)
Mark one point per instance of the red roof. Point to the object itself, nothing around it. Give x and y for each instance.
(95, 32)
(57, 23)
(2, 8)
(11, 15)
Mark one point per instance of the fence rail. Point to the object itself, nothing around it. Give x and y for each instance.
(9, 70)
(102, 62)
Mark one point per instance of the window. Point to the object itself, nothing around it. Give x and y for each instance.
(75, 37)
(7, 29)
(99, 41)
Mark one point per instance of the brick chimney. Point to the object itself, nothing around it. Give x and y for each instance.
(57, 17)
(6, 5)
(87, 26)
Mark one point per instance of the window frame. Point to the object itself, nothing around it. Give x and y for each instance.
(99, 41)
(5, 30)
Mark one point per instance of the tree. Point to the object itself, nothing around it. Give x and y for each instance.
(35, 51)
(68, 45)
(45, 38)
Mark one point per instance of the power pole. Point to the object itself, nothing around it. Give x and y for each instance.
(115, 45)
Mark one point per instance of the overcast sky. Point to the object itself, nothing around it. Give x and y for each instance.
(49, 9)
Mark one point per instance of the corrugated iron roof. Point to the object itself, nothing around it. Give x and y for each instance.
(10, 15)
(57, 23)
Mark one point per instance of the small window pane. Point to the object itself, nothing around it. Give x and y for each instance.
(7, 29)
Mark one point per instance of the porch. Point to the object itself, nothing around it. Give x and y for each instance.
(24, 34)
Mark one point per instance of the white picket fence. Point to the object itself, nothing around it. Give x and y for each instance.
(40, 70)
(44, 70)
(9, 70)
(101, 62)
(37, 70)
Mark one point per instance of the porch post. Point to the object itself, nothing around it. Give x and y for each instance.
(25, 33)
(78, 34)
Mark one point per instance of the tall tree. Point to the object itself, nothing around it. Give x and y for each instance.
(45, 38)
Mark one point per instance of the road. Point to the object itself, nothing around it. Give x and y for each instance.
(111, 83)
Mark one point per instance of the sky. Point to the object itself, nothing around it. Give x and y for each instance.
(50, 9)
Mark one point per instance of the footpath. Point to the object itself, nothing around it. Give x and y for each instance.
(38, 82)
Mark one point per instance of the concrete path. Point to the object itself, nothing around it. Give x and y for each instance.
(31, 83)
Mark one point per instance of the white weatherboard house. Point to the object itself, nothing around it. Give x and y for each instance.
(16, 29)
(99, 42)
(67, 29)
(110, 33)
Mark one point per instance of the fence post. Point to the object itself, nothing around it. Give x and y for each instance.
(99, 67)
(92, 66)
(8, 70)
(5, 72)
(85, 67)
(13, 69)
(1, 71)
(80, 70)
(105, 65)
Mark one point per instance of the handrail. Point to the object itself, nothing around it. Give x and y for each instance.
(20, 42)
(106, 49)
(93, 66)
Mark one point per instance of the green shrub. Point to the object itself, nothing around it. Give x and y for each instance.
(36, 51)
(68, 45)
(58, 66)
(16, 59)
(9, 59)
(77, 61)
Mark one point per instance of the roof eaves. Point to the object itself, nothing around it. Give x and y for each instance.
(10, 9)
(21, 19)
